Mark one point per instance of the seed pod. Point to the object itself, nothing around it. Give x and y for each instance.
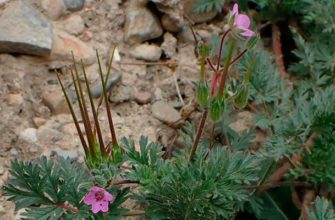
(216, 108)
(202, 93)
(242, 96)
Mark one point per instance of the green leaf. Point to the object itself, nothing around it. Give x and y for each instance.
(323, 210)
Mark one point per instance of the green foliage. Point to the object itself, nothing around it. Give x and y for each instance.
(315, 58)
(276, 10)
(208, 188)
(54, 189)
(265, 83)
(208, 5)
(323, 210)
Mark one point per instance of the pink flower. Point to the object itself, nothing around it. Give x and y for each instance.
(242, 22)
(99, 198)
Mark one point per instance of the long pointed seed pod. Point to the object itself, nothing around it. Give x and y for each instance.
(84, 115)
(81, 136)
(95, 116)
(89, 132)
(109, 115)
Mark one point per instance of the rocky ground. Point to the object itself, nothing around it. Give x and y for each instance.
(151, 82)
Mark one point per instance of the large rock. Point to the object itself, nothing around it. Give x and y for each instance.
(24, 30)
(62, 47)
(141, 25)
(148, 52)
(165, 113)
(54, 8)
(3, 2)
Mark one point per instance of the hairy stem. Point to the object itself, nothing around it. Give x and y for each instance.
(277, 49)
(198, 135)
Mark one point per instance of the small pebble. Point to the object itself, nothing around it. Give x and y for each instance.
(142, 97)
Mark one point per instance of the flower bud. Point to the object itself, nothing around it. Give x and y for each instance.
(202, 92)
(242, 96)
(216, 108)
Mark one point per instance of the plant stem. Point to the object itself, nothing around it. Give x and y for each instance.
(198, 135)
(134, 213)
(67, 207)
(281, 171)
(267, 186)
(276, 44)
(225, 68)
(238, 57)
(221, 48)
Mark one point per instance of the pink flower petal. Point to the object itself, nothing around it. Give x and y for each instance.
(89, 198)
(104, 206)
(247, 33)
(96, 207)
(235, 9)
(242, 21)
(108, 196)
(96, 189)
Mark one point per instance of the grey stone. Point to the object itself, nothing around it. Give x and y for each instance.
(14, 152)
(29, 135)
(164, 112)
(54, 9)
(52, 81)
(176, 104)
(114, 78)
(170, 24)
(74, 5)
(56, 102)
(72, 155)
(141, 25)
(148, 52)
(122, 94)
(24, 30)
(142, 97)
(74, 24)
(169, 45)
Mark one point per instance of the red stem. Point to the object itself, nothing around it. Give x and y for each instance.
(67, 207)
(220, 51)
(238, 57)
(211, 65)
(277, 49)
(281, 171)
(198, 135)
